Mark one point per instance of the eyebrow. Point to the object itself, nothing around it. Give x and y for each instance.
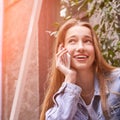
(72, 36)
(87, 36)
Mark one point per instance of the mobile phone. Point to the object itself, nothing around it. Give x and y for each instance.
(68, 59)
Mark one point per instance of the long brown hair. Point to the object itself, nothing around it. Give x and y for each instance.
(55, 77)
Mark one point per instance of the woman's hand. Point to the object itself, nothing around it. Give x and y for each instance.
(63, 64)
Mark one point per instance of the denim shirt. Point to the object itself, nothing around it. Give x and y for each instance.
(69, 105)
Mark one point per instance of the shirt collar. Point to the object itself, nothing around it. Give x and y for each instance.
(97, 88)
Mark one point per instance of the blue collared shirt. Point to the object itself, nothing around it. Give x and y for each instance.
(69, 105)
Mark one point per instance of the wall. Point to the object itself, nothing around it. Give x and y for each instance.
(48, 17)
(16, 22)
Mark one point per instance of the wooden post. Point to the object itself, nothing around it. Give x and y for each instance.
(48, 17)
(1, 36)
(25, 60)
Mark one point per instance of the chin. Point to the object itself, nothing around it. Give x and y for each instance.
(82, 67)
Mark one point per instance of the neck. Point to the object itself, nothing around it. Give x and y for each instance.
(85, 80)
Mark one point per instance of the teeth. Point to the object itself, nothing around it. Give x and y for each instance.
(81, 57)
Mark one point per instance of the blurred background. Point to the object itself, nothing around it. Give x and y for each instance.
(27, 35)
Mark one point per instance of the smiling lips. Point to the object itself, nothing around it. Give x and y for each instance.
(80, 57)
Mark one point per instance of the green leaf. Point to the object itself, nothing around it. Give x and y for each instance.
(96, 27)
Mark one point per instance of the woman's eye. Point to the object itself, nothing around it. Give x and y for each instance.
(88, 41)
(72, 41)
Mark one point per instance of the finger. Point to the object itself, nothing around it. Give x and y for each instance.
(60, 57)
(60, 47)
(62, 52)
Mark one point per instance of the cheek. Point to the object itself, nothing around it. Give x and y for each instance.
(91, 51)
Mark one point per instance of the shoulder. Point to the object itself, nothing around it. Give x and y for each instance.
(115, 77)
(117, 70)
(115, 74)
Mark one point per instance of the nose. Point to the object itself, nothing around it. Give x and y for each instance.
(80, 46)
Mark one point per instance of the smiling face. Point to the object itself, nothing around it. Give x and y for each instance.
(79, 43)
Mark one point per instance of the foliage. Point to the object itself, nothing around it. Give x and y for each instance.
(107, 14)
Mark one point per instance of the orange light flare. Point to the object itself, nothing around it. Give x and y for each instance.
(17, 15)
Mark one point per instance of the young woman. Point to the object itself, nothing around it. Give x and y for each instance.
(82, 85)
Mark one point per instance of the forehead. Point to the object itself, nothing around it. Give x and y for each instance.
(79, 30)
